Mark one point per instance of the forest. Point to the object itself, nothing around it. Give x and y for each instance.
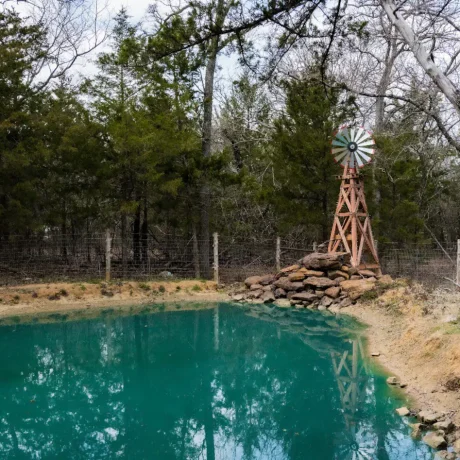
(218, 115)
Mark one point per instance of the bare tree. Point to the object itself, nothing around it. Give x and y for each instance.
(424, 58)
(73, 30)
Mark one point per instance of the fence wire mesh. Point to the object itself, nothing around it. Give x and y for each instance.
(56, 257)
(430, 264)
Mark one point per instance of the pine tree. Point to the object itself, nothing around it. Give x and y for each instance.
(306, 188)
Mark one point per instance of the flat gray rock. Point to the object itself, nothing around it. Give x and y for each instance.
(435, 440)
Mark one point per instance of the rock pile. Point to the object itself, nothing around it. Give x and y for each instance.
(436, 430)
(317, 281)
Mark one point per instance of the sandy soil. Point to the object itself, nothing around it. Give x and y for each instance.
(417, 334)
(418, 338)
(67, 300)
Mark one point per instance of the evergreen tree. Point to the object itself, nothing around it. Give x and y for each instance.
(21, 147)
(305, 192)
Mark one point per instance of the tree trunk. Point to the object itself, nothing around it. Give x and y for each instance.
(64, 234)
(196, 254)
(391, 55)
(137, 236)
(325, 223)
(205, 193)
(421, 54)
(145, 236)
(206, 151)
(124, 251)
(88, 245)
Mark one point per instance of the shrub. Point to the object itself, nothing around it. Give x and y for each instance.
(370, 295)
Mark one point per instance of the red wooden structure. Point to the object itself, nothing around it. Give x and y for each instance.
(351, 230)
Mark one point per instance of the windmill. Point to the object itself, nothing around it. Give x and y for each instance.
(351, 231)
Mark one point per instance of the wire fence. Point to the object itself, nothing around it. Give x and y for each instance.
(431, 264)
(52, 258)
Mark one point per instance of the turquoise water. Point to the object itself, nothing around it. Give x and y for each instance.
(222, 383)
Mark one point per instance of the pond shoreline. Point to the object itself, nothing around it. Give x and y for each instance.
(418, 352)
(418, 348)
(89, 299)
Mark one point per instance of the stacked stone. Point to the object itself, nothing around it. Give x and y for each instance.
(317, 281)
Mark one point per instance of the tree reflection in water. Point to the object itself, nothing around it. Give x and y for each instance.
(209, 384)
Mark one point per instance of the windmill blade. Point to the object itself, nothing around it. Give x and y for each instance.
(365, 157)
(362, 133)
(341, 155)
(366, 142)
(339, 137)
(365, 149)
(358, 160)
(345, 160)
(341, 144)
(339, 150)
(352, 135)
(352, 161)
(345, 134)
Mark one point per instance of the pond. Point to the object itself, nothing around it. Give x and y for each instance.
(221, 383)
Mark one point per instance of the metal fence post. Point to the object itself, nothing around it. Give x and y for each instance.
(108, 255)
(458, 261)
(278, 254)
(215, 265)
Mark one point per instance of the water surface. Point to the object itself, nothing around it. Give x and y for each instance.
(222, 383)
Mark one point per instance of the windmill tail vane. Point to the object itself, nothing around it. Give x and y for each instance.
(353, 148)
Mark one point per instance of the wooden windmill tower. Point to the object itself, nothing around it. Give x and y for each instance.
(351, 230)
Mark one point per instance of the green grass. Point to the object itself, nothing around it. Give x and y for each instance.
(196, 288)
(370, 295)
(144, 287)
(448, 328)
(162, 289)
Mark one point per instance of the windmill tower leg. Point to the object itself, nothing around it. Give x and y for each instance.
(351, 229)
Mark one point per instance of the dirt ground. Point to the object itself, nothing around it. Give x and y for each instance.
(58, 300)
(418, 337)
(417, 334)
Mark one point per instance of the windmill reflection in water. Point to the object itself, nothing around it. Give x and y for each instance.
(351, 373)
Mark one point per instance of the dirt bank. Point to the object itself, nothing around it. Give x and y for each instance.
(418, 338)
(55, 300)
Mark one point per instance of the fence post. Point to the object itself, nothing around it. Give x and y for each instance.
(278, 254)
(315, 246)
(458, 261)
(215, 265)
(108, 255)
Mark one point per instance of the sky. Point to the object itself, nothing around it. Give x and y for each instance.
(137, 10)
